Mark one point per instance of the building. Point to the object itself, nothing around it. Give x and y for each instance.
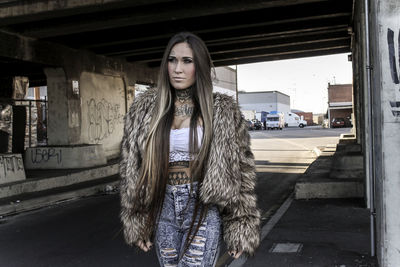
(225, 81)
(318, 119)
(340, 102)
(264, 101)
(307, 116)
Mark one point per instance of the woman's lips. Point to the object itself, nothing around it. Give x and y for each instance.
(178, 79)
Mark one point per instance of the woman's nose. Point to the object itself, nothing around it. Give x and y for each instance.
(178, 67)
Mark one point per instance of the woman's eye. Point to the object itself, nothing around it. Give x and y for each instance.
(171, 59)
(188, 60)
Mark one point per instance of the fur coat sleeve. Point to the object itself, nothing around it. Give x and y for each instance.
(240, 215)
(131, 156)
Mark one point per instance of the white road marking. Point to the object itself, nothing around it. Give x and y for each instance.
(266, 229)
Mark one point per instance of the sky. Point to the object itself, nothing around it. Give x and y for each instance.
(305, 80)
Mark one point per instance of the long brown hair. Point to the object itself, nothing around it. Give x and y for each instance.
(154, 169)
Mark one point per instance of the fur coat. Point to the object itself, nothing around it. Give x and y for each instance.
(229, 179)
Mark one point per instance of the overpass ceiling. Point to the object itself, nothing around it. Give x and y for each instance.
(236, 32)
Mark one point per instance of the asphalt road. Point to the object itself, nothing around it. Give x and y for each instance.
(87, 232)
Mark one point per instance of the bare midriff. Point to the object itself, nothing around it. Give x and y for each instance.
(179, 173)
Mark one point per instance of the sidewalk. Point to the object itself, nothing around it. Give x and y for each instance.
(320, 232)
(331, 232)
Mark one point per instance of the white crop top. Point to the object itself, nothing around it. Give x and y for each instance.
(179, 144)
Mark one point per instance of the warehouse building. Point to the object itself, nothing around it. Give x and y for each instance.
(264, 101)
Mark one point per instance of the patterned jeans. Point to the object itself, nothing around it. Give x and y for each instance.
(173, 228)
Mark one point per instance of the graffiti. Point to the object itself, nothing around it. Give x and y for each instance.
(39, 155)
(103, 118)
(393, 69)
(11, 164)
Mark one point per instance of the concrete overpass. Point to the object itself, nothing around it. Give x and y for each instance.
(109, 46)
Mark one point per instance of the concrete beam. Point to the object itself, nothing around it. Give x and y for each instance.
(28, 11)
(74, 61)
(258, 47)
(214, 34)
(278, 52)
(296, 54)
(225, 46)
(180, 12)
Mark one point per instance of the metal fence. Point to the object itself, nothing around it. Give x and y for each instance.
(35, 124)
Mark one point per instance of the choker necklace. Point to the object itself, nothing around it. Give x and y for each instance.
(183, 94)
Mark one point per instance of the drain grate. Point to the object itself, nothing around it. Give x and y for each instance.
(286, 248)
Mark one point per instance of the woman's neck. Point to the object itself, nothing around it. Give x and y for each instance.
(183, 95)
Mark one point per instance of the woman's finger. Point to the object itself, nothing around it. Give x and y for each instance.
(149, 245)
(141, 245)
(235, 254)
(238, 254)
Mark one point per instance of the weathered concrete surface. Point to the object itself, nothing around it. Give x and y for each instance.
(103, 109)
(64, 157)
(11, 168)
(57, 179)
(328, 188)
(321, 178)
(348, 166)
(47, 200)
(57, 129)
(384, 49)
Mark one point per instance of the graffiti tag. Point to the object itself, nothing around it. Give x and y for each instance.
(40, 155)
(11, 164)
(393, 68)
(103, 118)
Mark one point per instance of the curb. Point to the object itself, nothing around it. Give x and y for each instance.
(317, 151)
(40, 202)
(35, 185)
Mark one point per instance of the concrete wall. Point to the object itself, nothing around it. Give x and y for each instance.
(11, 168)
(103, 109)
(64, 157)
(106, 81)
(385, 52)
(57, 128)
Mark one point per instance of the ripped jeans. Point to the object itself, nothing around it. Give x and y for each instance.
(173, 227)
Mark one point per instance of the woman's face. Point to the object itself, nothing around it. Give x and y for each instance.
(181, 68)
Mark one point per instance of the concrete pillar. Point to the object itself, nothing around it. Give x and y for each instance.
(57, 126)
(360, 82)
(384, 39)
(329, 117)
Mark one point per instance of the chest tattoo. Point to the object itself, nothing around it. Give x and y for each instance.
(183, 111)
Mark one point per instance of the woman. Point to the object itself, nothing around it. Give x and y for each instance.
(187, 170)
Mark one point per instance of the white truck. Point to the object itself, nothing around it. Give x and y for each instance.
(275, 120)
(294, 120)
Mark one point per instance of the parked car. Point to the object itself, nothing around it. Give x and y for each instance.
(250, 125)
(337, 122)
(257, 125)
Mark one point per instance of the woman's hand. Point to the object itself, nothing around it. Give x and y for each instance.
(235, 254)
(145, 246)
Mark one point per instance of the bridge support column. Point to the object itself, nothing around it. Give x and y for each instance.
(382, 119)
